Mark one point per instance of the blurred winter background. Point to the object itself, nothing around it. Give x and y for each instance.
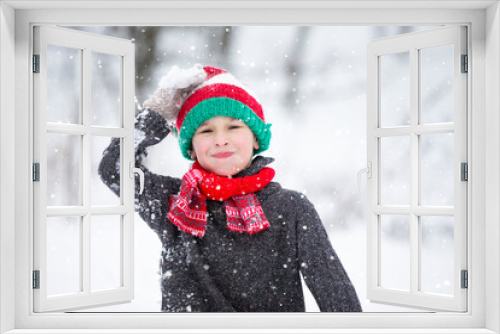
(311, 81)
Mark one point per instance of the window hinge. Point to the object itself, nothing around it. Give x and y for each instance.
(465, 279)
(36, 63)
(36, 172)
(464, 171)
(36, 279)
(465, 64)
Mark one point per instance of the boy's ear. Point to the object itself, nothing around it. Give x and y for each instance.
(255, 143)
(193, 154)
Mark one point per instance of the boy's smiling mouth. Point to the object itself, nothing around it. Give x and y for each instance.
(222, 155)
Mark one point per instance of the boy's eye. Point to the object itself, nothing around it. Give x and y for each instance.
(205, 130)
(233, 127)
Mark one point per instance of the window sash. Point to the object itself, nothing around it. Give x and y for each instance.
(412, 43)
(86, 43)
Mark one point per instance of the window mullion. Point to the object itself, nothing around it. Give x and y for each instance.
(86, 169)
(81, 211)
(76, 129)
(86, 105)
(419, 211)
(414, 172)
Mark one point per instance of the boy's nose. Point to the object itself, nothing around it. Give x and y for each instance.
(221, 140)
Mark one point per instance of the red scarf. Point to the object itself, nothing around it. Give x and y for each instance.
(188, 209)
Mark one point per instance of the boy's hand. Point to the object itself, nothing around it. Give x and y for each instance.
(150, 128)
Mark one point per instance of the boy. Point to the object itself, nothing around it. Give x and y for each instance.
(233, 240)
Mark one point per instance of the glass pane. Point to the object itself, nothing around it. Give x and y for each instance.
(64, 154)
(395, 171)
(101, 194)
(63, 255)
(63, 84)
(437, 169)
(436, 84)
(395, 89)
(437, 255)
(395, 252)
(105, 245)
(106, 90)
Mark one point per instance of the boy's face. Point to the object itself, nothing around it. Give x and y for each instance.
(223, 145)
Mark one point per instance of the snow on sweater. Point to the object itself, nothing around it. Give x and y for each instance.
(227, 271)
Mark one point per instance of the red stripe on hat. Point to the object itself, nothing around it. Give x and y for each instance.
(219, 90)
(212, 71)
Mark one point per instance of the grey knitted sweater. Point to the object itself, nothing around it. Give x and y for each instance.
(226, 271)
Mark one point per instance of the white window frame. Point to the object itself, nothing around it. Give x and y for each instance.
(483, 21)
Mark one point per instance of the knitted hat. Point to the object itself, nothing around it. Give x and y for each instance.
(200, 93)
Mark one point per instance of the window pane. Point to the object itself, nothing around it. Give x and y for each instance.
(436, 84)
(63, 84)
(101, 194)
(106, 90)
(395, 170)
(63, 255)
(105, 252)
(437, 169)
(395, 252)
(395, 89)
(64, 154)
(437, 255)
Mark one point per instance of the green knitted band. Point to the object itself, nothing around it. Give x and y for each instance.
(222, 106)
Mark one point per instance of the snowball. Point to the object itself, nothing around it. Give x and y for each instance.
(183, 78)
(174, 88)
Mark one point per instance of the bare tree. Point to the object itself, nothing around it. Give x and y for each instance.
(146, 55)
(220, 41)
(294, 67)
(226, 43)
